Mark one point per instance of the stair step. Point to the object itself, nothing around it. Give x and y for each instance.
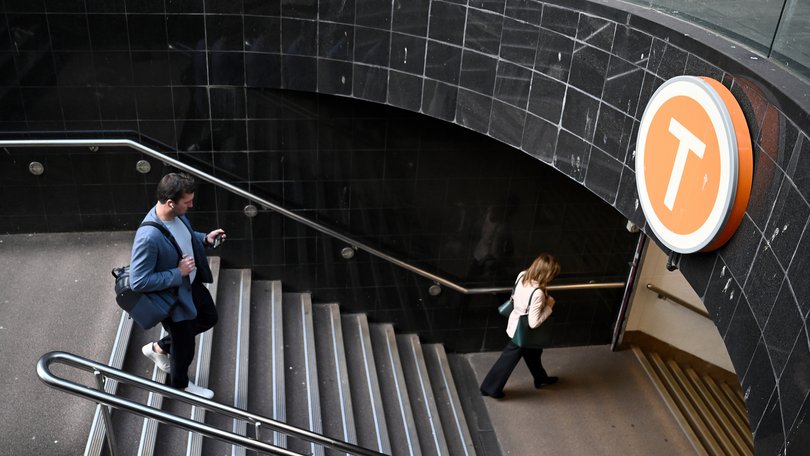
(726, 426)
(707, 414)
(336, 398)
(228, 378)
(301, 378)
(266, 376)
(670, 402)
(423, 403)
(372, 428)
(739, 422)
(395, 398)
(456, 431)
(715, 439)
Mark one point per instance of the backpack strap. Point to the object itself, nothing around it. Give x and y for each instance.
(165, 233)
(176, 247)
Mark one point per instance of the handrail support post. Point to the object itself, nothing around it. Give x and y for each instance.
(105, 412)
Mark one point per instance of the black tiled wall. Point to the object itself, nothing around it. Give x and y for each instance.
(565, 82)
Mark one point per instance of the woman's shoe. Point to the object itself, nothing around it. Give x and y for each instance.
(494, 396)
(546, 381)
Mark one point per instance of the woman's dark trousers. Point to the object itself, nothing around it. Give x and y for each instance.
(496, 378)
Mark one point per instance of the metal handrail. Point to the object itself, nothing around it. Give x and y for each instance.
(667, 296)
(100, 396)
(357, 245)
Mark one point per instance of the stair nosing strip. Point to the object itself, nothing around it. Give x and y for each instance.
(439, 439)
(277, 349)
(240, 393)
(452, 393)
(97, 435)
(383, 440)
(203, 370)
(401, 389)
(346, 409)
(313, 391)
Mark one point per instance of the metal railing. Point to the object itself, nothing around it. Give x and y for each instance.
(102, 373)
(355, 244)
(667, 296)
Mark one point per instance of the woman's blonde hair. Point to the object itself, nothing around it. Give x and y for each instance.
(542, 271)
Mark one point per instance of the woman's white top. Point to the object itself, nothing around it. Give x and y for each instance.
(538, 310)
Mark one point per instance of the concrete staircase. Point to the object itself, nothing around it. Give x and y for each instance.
(710, 412)
(279, 355)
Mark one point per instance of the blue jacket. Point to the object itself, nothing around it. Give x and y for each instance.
(153, 267)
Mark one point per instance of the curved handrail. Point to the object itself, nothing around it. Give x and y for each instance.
(285, 212)
(102, 397)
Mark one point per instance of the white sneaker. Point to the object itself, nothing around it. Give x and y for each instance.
(161, 360)
(199, 391)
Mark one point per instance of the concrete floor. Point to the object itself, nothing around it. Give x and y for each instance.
(604, 404)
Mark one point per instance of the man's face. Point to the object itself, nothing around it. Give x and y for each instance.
(183, 204)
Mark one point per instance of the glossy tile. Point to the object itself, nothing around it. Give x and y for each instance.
(554, 55)
(540, 138)
(483, 31)
(407, 53)
(512, 84)
(759, 385)
(442, 62)
(632, 45)
(336, 41)
(473, 110)
(572, 155)
(622, 85)
(519, 42)
(762, 285)
(580, 114)
(411, 17)
(596, 32)
(613, 132)
(666, 60)
(787, 222)
(439, 100)
(371, 46)
(561, 20)
(506, 123)
(589, 67)
(603, 175)
(447, 22)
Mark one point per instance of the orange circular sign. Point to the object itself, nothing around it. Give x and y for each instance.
(693, 164)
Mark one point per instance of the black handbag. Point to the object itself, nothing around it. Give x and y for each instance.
(147, 309)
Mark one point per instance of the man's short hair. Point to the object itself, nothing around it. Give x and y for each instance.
(174, 185)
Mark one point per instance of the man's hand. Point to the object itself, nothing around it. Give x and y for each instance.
(186, 265)
(211, 237)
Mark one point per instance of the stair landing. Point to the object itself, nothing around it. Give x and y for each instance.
(604, 404)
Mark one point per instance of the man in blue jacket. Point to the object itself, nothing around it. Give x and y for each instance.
(157, 267)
